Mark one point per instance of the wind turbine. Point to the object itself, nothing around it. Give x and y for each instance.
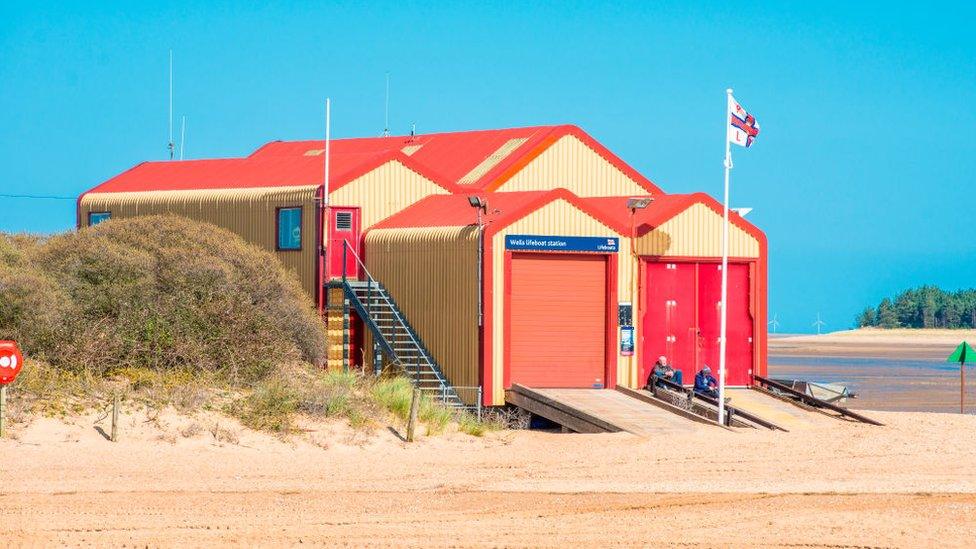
(819, 323)
(774, 322)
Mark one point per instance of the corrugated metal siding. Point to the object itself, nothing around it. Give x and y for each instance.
(249, 213)
(570, 164)
(696, 232)
(384, 191)
(558, 218)
(431, 273)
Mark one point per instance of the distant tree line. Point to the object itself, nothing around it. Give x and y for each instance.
(923, 307)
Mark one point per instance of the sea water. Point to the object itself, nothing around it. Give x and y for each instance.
(884, 383)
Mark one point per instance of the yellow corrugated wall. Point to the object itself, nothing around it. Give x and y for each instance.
(431, 273)
(558, 218)
(570, 164)
(696, 232)
(249, 213)
(384, 191)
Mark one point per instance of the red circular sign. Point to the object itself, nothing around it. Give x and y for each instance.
(11, 361)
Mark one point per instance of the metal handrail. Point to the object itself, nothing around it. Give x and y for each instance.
(393, 309)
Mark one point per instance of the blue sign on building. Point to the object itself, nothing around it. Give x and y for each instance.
(542, 243)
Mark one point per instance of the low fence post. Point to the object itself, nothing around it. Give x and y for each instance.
(412, 420)
(3, 410)
(115, 419)
(479, 402)
(377, 358)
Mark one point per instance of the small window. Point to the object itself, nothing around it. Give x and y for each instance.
(290, 228)
(94, 218)
(343, 221)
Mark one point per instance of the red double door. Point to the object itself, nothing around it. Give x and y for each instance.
(681, 319)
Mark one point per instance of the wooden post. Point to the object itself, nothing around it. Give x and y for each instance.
(412, 421)
(3, 410)
(115, 419)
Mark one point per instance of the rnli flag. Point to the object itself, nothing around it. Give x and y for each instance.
(743, 128)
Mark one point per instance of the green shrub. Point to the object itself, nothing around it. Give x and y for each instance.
(172, 312)
(157, 292)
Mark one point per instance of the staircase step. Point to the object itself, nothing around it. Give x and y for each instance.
(397, 335)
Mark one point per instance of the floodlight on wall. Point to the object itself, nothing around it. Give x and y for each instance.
(639, 203)
(476, 202)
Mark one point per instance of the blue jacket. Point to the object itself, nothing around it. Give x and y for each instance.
(702, 382)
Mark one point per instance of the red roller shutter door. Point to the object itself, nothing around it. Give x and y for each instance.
(558, 320)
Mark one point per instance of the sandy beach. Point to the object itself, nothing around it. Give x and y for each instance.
(902, 343)
(167, 482)
(206, 481)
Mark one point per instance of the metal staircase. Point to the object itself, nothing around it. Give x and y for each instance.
(393, 334)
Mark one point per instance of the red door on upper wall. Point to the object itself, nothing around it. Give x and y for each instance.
(681, 319)
(668, 320)
(343, 231)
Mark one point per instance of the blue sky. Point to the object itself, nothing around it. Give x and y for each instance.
(863, 176)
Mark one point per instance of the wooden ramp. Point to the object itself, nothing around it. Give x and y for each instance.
(785, 414)
(598, 411)
(681, 400)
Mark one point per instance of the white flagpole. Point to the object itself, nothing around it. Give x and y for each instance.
(328, 129)
(725, 262)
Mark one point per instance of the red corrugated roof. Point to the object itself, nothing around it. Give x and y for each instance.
(663, 208)
(262, 171)
(657, 212)
(452, 155)
(506, 208)
(503, 209)
(456, 211)
(444, 158)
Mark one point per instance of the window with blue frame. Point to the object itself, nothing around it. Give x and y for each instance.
(290, 228)
(94, 218)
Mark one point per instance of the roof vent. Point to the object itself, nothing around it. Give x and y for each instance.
(315, 152)
(493, 159)
(410, 149)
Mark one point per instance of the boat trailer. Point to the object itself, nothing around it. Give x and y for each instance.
(773, 387)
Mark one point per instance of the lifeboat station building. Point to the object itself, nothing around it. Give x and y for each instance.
(477, 261)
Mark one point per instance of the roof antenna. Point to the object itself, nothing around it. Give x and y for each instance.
(413, 130)
(170, 145)
(386, 118)
(182, 136)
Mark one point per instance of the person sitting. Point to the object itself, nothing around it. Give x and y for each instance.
(705, 384)
(663, 370)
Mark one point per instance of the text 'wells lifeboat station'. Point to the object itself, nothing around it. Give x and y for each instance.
(482, 259)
